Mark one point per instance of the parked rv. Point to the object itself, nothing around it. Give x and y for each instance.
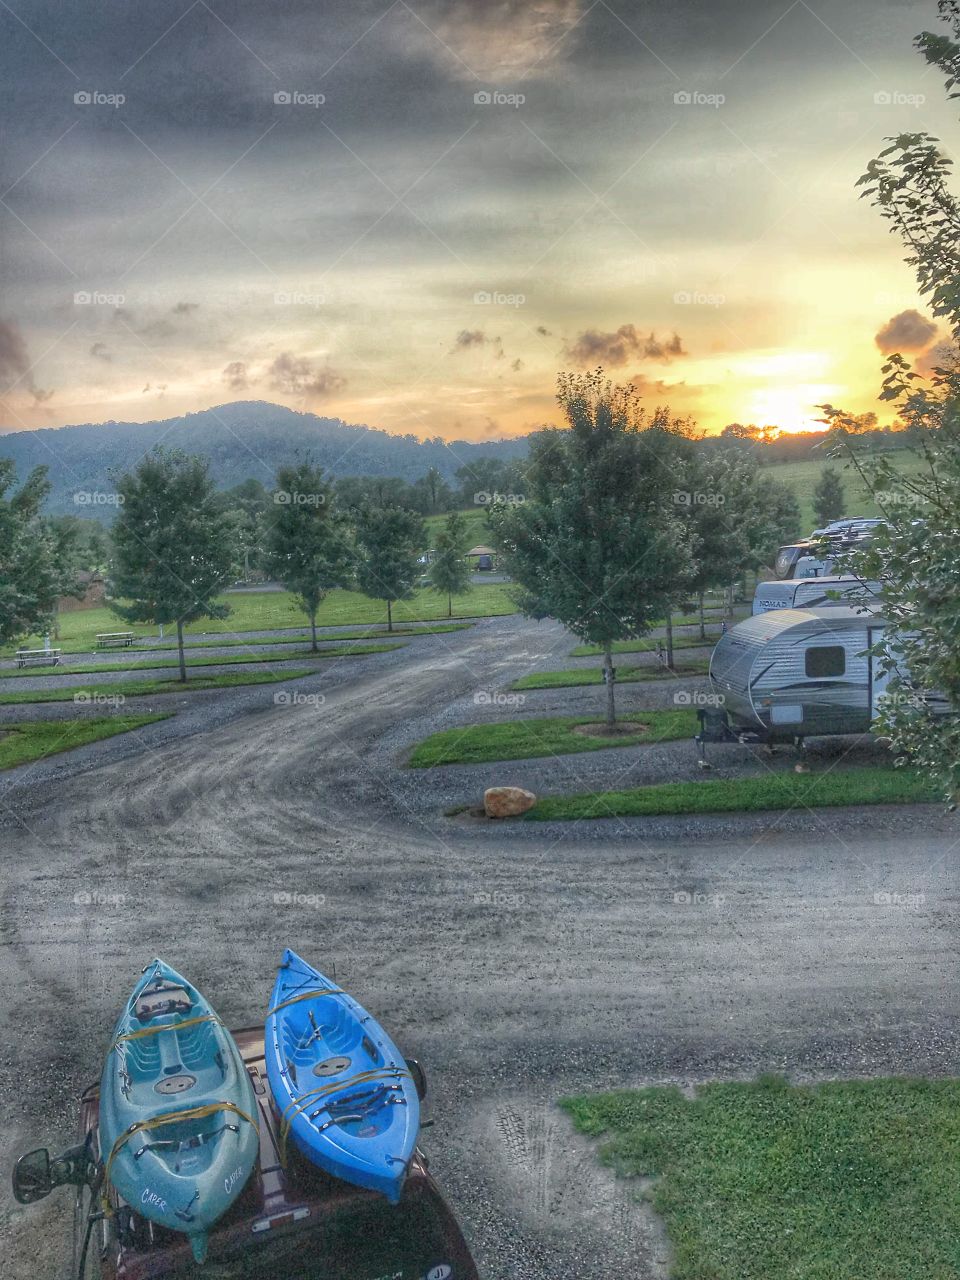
(813, 593)
(787, 674)
(816, 556)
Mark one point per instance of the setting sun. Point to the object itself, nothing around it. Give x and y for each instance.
(791, 408)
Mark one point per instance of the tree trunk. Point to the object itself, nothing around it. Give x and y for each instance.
(183, 661)
(449, 604)
(670, 639)
(389, 616)
(609, 680)
(703, 620)
(313, 631)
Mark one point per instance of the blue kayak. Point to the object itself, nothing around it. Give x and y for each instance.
(178, 1119)
(341, 1085)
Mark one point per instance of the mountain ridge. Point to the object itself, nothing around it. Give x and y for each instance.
(241, 439)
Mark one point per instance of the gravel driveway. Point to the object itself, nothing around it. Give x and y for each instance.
(518, 963)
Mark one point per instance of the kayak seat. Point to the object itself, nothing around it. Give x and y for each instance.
(193, 1050)
(161, 998)
(332, 1031)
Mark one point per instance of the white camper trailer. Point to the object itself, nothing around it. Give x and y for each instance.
(813, 593)
(791, 673)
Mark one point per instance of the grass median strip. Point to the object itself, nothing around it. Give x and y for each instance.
(522, 739)
(836, 1181)
(593, 675)
(116, 693)
(251, 640)
(26, 743)
(160, 664)
(647, 645)
(276, 610)
(867, 785)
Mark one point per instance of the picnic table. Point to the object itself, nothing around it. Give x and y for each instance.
(114, 639)
(39, 657)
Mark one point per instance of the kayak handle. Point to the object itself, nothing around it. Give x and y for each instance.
(340, 1120)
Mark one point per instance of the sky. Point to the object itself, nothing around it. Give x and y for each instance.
(414, 214)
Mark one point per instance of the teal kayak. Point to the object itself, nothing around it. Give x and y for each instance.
(178, 1119)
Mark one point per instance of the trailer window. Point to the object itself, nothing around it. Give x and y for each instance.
(826, 660)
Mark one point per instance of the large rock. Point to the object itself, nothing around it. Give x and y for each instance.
(507, 802)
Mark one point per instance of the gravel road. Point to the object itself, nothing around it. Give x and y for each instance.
(518, 962)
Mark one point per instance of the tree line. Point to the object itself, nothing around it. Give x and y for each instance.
(607, 526)
(174, 546)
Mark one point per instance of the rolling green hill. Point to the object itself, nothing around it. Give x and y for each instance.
(802, 478)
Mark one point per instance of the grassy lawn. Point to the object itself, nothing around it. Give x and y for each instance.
(24, 743)
(144, 688)
(802, 477)
(849, 1180)
(593, 675)
(233, 659)
(868, 785)
(476, 519)
(521, 739)
(643, 646)
(273, 610)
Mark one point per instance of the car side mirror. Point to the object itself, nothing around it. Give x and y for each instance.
(32, 1178)
(35, 1175)
(419, 1077)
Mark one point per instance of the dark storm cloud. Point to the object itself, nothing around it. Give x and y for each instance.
(472, 338)
(908, 331)
(99, 352)
(15, 366)
(235, 376)
(625, 345)
(298, 376)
